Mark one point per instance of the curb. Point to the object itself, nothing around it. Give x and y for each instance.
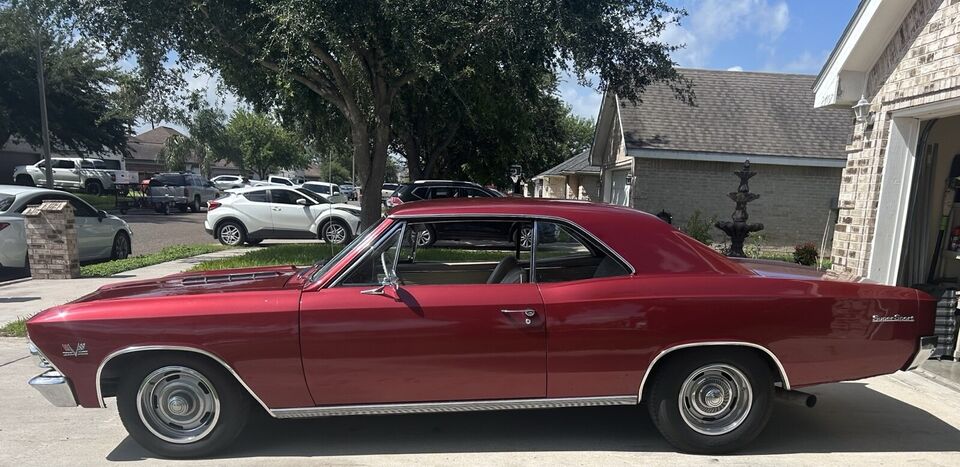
(938, 379)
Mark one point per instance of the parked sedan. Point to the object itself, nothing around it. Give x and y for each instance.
(622, 309)
(254, 214)
(99, 235)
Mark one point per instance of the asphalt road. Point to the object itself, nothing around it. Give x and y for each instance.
(890, 420)
(153, 232)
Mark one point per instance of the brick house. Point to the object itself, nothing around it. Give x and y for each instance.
(663, 154)
(899, 62)
(573, 178)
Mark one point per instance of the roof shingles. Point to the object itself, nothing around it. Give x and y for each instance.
(738, 113)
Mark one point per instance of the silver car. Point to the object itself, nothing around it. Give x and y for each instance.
(99, 235)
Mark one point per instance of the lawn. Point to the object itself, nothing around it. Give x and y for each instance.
(169, 253)
(105, 203)
(16, 328)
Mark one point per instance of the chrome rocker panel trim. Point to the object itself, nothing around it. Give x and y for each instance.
(147, 348)
(928, 344)
(443, 407)
(55, 388)
(664, 352)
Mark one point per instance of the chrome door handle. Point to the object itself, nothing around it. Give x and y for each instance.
(528, 312)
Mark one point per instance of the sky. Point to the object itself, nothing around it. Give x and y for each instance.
(783, 36)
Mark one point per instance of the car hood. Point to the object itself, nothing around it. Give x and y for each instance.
(208, 282)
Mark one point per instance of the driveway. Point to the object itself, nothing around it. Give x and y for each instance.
(894, 420)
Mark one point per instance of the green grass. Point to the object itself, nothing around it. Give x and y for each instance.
(169, 253)
(16, 328)
(274, 255)
(105, 203)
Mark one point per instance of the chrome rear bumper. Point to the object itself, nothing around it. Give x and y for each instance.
(927, 345)
(55, 388)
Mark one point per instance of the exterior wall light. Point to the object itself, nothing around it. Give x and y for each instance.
(862, 109)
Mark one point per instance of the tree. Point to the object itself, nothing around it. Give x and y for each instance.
(263, 146)
(82, 109)
(358, 55)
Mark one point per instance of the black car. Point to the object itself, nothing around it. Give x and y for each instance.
(437, 189)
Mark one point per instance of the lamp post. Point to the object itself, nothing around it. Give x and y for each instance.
(44, 126)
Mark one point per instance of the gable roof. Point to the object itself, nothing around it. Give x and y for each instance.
(579, 164)
(743, 113)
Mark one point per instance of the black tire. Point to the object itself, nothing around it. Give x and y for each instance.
(195, 205)
(342, 232)
(254, 241)
(230, 237)
(183, 207)
(25, 180)
(663, 401)
(94, 187)
(121, 246)
(231, 416)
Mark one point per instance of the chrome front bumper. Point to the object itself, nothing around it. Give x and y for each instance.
(927, 345)
(55, 388)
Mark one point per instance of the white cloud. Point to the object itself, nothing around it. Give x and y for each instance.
(583, 100)
(713, 21)
(807, 62)
(735, 68)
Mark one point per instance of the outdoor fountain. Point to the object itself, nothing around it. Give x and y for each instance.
(739, 229)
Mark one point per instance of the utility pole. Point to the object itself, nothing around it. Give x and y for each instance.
(44, 126)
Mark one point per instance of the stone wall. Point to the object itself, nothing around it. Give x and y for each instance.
(793, 205)
(52, 240)
(920, 65)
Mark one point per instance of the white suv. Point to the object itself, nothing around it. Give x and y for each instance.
(251, 215)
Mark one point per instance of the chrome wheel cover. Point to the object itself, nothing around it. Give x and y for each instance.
(178, 405)
(715, 399)
(230, 234)
(423, 237)
(334, 233)
(526, 237)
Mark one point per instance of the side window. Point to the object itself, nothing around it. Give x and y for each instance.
(259, 196)
(82, 209)
(283, 197)
(85, 164)
(566, 254)
(421, 192)
(64, 164)
(369, 271)
(473, 193)
(442, 192)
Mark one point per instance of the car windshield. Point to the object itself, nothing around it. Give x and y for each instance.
(6, 201)
(322, 266)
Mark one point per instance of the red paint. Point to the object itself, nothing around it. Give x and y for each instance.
(298, 343)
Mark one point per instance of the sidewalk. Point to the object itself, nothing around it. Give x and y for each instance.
(26, 298)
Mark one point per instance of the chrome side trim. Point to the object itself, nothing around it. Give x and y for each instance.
(530, 217)
(444, 407)
(663, 353)
(148, 348)
(927, 345)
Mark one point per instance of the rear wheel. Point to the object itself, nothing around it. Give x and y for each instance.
(181, 406)
(231, 233)
(195, 205)
(712, 402)
(25, 180)
(94, 187)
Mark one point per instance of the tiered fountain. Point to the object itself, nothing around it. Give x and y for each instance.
(739, 230)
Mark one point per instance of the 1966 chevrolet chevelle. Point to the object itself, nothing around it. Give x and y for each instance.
(616, 308)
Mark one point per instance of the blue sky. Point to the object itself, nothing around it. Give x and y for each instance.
(786, 36)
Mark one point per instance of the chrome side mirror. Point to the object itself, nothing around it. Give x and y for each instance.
(389, 285)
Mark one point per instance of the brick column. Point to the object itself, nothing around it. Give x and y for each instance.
(52, 240)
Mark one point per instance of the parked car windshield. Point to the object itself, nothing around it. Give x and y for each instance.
(323, 266)
(6, 201)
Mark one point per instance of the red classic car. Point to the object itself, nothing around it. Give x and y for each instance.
(619, 308)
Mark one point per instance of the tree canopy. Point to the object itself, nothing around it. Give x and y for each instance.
(359, 55)
(83, 111)
(262, 145)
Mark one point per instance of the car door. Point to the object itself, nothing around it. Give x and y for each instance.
(66, 173)
(257, 213)
(423, 342)
(289, 218)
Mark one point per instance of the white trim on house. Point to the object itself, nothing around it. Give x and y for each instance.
(796, 161)
(842, 79)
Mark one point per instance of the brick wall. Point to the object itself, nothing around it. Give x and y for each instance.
(793, 203)
(920, 65)
(52, 240)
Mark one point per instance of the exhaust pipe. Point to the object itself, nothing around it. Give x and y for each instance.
(797, 397)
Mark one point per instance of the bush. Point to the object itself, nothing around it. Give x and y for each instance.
(699, 228)
(806, 254)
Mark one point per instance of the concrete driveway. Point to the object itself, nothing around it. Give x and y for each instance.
(892, 420)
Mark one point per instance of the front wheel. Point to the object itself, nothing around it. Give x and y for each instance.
(181, 406)
(121, 246)
(712, 402)
(335, 231)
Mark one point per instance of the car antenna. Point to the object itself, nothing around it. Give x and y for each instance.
(330, 203)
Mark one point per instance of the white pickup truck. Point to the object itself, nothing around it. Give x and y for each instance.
(91, 175)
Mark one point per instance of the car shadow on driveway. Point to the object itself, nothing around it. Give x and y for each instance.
(849, 418)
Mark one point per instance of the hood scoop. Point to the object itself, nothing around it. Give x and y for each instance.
(225, 278)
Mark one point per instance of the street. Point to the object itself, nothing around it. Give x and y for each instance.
(152, 232)
(894, 420)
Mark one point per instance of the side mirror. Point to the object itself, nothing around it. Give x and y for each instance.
(390, 285)
(302, 202)
(101, 215)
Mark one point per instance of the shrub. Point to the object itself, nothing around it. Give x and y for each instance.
(699, 228)
(806, 254)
